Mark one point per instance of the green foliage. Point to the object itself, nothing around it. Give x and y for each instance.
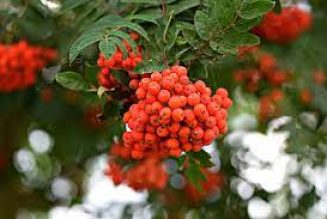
(107, 47)
(194, 175)
(105, 27)
(201, 157)
(255, 8)
(72, 81)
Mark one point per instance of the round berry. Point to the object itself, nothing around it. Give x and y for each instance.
(193, 99)
(164, 96)
(197, 133)
(175, 102)
(154, 88)
(177, 115)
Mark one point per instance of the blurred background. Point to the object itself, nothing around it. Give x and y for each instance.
(54, 142)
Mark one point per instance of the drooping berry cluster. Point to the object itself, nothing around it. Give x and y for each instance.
(118, 61)
(19, 64)
(212, 184)
(147, 174)
(265, 71)
(269, 104)
(174, 115)
(286, 26)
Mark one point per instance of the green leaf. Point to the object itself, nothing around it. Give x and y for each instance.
(126, 37)
(91, 73)
(171, 38)
(182, 6)
(200, 23)
(255, 8)
(149, 2)
(202, 157)
(117, 22)
(194, 175)
(246, 24)
(72, 81)
(120, 44)
(82, 42)
(144, 17)
(69, 5)
(221, 13)
(227, 50)
(238, 38)
(107, 47)
(148, 67)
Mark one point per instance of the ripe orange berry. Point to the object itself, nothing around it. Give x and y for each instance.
(156, 76)
(167, 83)
(165, 112)
(209, 136)
(154, 88)
(211, 122)
(162, 131)
(200, 109)
(134, 84)
(179, 70)
(174, 102)
(184, 80)
(197, 133)
(213, 108)
(189, 115)
(177, 115)
(164, 96)
(227, 103)
(172, 143)
(200, 86)
(187, 147)
(140, 93)
(222, 92)
(136, 154)
(150, 98)
(193, 99)
(175, 152)
(174, 127)
(189, 89)
(184, 132)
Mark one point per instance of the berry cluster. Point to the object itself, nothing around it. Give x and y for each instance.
(174, 115)
(286, 26)
(265, 71)
(269, 104)
(19, 64)
(213, 183)
(147, 174)
(116, 62)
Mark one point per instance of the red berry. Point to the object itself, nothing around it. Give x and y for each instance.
(153, 88)
(197, 133)
(164, 96)
(175, 102)
(177, 115)
(193, 99)
(172, 143)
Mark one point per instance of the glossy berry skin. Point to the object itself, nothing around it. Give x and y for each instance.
(181, 116)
